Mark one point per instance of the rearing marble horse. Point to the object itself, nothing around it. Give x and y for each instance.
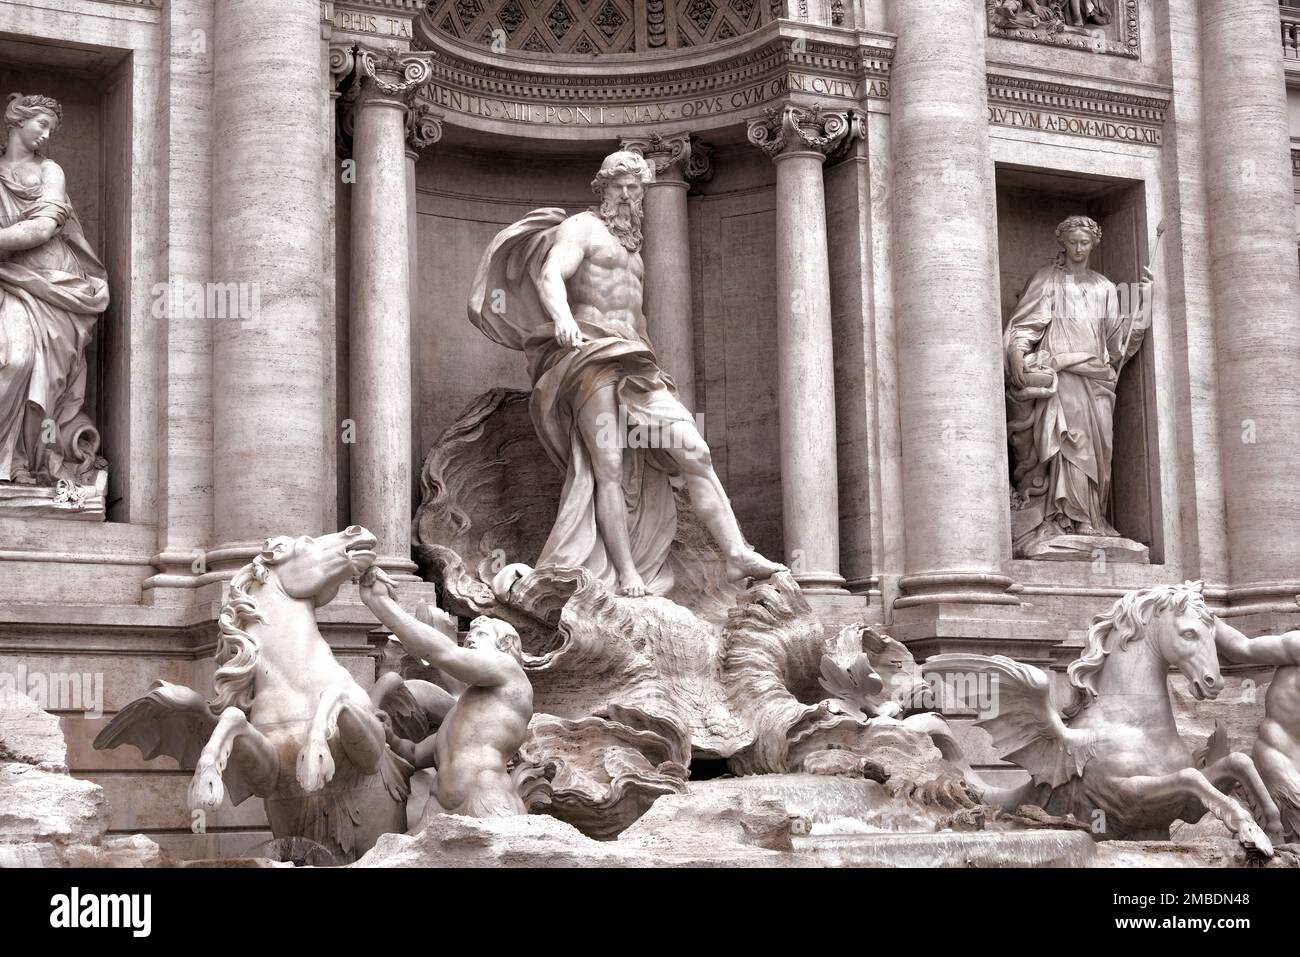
(287, 722)
(1116, 749)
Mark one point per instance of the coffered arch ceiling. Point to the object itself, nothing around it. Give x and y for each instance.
(597, 26)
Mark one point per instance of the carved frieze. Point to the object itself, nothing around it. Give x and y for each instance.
(1096, 26)
(480, 93)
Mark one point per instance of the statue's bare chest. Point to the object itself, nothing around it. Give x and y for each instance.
(613, 257)
(26, 173)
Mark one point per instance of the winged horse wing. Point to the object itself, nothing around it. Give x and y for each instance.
(170, 720)
(1025, 728)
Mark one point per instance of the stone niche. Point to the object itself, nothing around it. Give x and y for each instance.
(1030, 205)
(93, 145)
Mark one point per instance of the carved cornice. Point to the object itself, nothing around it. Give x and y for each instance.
(504, 92)
(693, 159)
(791, 128)
(731, 73)
(1030, 103)
(404, 6)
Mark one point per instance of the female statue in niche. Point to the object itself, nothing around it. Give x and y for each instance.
(52, 289)
(1065, 346)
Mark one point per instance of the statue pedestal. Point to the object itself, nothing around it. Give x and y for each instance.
(1089, 548)
(67, 500)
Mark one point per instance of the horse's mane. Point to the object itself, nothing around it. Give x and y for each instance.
(237, 650)
(1126, 622)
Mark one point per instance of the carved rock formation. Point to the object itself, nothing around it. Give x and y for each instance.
(627, 690)
(39, 800)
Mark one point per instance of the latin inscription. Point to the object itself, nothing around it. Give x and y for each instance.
(551, 114)
(352, 21)
(1075, 125)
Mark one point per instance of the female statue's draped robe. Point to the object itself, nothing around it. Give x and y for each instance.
(505, 305)
(1075, 326)
(50, 297)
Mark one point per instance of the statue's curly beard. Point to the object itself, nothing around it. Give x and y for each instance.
(623, 221)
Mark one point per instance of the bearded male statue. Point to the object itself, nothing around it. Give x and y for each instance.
(567, 292)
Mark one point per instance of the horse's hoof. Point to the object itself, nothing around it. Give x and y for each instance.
(315, 766)
(1253, 838)
(207, 789)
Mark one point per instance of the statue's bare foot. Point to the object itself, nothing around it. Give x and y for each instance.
(631, 585)
(1086, 530)
(750, 564)
(23, 477)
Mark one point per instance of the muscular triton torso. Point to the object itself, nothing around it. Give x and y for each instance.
(477, 740)
(605, 288)
(1280, 728)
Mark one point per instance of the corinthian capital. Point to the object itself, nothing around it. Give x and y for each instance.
(678, 154)
(423, 126)
(392, 74)
(788, 128)
(343, 60)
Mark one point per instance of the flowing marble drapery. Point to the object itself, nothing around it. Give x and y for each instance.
(50, 296)
(505, 305)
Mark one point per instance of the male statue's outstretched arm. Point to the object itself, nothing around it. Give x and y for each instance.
(562, 262)
(1265, 650)
(427, 642)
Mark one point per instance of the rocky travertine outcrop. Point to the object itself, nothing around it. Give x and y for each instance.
(39, 801)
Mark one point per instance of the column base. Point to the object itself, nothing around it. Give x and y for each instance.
(821, 583)
(837, 609)
(945, 627)
(399, 569)
(956, 588)
(227, 558)
(1262, 602)
(179, 573)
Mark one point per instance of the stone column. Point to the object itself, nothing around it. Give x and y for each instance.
(266, 248)
(1256, 292)
(799, 140)
(380, 314)
(423, 129)
(950, 385)
(669, 308)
